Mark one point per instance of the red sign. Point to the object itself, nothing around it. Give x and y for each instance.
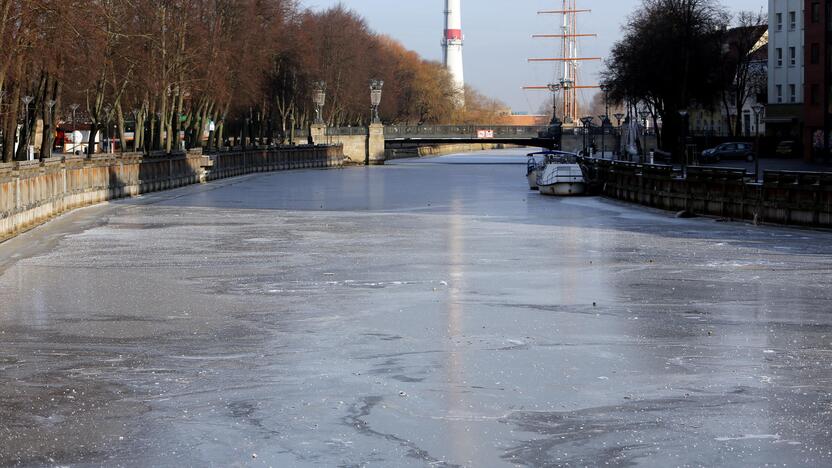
(485, 133)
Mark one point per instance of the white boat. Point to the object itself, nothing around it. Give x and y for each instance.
(534, 168)
(561, 175)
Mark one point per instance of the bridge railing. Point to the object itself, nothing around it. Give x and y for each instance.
(469, 131)
(346, 131)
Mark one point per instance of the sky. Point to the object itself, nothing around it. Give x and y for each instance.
(498, 38)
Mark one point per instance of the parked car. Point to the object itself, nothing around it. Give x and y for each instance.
(728, 151)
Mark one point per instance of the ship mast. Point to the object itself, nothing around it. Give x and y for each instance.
(568, 80)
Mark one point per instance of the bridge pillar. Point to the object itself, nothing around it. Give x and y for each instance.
(317, 132)
(375, 145)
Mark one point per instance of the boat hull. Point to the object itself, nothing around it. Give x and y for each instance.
(532, 176)
(563, 189)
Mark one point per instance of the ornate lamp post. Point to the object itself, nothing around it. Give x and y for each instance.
(684, 115)
(74, 108)
(758, 110)
(567, 85)
(618, 117)
(605, 120)
(107, 110)
(24, 141)
(587, 122)
(555, 89)
(50, 104)
(319, 98)
(644, 113)
(376, 87)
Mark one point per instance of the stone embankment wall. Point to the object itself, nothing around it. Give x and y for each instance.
(403, 151)
(33, 192)
(782, 197)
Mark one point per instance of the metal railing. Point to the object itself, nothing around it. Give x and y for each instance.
(346, 131)
(472, 131)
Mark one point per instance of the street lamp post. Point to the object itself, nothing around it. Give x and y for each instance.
(618, 116)
(644, 113)
(684, 115)
(605, 123)
(74, 108)
(605, 120)
(567, 85)
(376, 87)
(50, 104)
(587, 122)
(107, 136)
(758, 109)
(319, 98)
(245, 133)
(25, 141)
(554, 88)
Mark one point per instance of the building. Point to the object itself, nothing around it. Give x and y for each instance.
(752, 124)
(784, 113)
(524, 120)
(745, 48)
(816, 135)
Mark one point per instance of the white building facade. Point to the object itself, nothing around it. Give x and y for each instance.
(785, 52)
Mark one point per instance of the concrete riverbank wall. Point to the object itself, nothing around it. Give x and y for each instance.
(403, 151)
(33, 192)
(781, 197)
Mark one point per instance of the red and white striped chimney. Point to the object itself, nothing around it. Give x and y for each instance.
(452, 45)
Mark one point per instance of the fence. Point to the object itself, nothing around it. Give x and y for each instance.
(468, 131)
(346, 131)
(783, 197)
(33, 192)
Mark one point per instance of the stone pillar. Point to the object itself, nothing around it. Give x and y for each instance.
(375, 145)
(318, 134)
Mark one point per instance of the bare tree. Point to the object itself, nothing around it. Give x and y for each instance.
(739, 75)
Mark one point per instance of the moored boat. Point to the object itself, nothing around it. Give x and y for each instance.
(534, 167)
(561, 175)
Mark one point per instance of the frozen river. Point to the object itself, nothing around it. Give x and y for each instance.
(425, 313)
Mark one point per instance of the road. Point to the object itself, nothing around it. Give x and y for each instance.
(426, 313)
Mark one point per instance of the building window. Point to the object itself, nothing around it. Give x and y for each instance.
(815, 12)
(792, 21)
(815, 51)
(815, 91)
(779, 55)
(779, 21)
(792, 56)
(779, 93)
(792, 93)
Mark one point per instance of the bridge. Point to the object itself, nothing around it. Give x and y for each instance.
(469, 134)
(371, 144)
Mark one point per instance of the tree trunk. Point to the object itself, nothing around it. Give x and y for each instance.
(122, 138)
(10, 130)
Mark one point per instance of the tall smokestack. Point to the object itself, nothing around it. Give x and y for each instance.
(452, 45)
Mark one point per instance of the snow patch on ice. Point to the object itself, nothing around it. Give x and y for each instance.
(749, 437)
